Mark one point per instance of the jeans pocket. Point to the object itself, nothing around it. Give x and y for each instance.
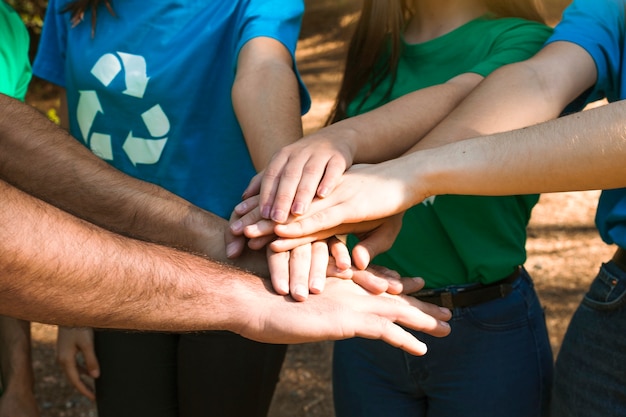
(607, 291)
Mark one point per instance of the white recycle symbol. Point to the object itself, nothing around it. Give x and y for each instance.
(139, 150)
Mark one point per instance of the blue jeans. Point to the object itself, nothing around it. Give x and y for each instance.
(590, 375)
(496, 362)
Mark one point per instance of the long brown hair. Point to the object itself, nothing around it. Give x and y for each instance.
(77, 10)
(376, 46)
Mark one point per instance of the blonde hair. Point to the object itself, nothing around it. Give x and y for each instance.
(378, 33)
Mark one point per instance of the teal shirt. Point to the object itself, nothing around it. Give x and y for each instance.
(15, 71)
(451, 240)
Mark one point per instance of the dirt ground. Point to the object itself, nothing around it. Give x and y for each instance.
(563, 247)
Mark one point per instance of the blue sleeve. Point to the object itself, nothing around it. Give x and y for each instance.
(598, 27)
(276, 19)
(50, 60)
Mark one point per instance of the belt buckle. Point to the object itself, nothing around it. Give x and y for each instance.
(446, 300)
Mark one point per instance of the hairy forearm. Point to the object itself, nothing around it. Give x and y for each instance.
(38, 157)
(266, 99)
(582, 151)
(58, 269)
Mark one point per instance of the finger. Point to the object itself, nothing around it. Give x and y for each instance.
(72, 371)
(377, 241)
(321, 220)
(282, 245)
(81, 386)
(319, 264)
(383, 271)
(341, 254)
(254, 187)
(269, 185)
(259, 228)
(91, 361)
(381, 328)
(278, 264)
(261, 242)
(423, 317)
(299, 268)
(238, 225)
(395, 284)
(247, 205)
(361, 256)
(334, 271)
(235, 244)
(371, 282)
(334, 170)
(312, 174)
(286, 191)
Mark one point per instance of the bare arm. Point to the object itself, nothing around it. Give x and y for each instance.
(43, 160)
(583, 151)
(266, 98)
(49, 259)
(514, 96)
(519, 95)
(312, 165)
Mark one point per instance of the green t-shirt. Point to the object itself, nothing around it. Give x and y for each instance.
(451, 239)
(15, 71)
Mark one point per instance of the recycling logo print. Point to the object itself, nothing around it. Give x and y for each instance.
(139, 150)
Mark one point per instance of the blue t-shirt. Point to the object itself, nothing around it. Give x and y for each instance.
(150, 92)
(599, 27)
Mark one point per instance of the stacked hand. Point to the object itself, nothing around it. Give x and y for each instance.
(301, 201)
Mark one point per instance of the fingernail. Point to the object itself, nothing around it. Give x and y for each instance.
(345, 263)
(318, 284)
(322, 192)
(95, 373)
(265, 212)
(279, 216)
(298, 208)
(237, 227)
(301, 291)
(231, 250)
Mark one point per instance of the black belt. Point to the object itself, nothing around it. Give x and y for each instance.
(465, 297)
(619, 258)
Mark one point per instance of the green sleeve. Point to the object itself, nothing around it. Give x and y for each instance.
(15, 67)
(520, 41)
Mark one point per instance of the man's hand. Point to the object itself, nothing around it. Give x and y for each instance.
(342, 311)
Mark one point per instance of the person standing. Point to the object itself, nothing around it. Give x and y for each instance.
(193, 97)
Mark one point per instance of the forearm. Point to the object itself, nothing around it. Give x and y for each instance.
(43, 160)
(266, 99)
(578, 152)
(390, 130)
(518, 95)
(58, 269)
(16, 370)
